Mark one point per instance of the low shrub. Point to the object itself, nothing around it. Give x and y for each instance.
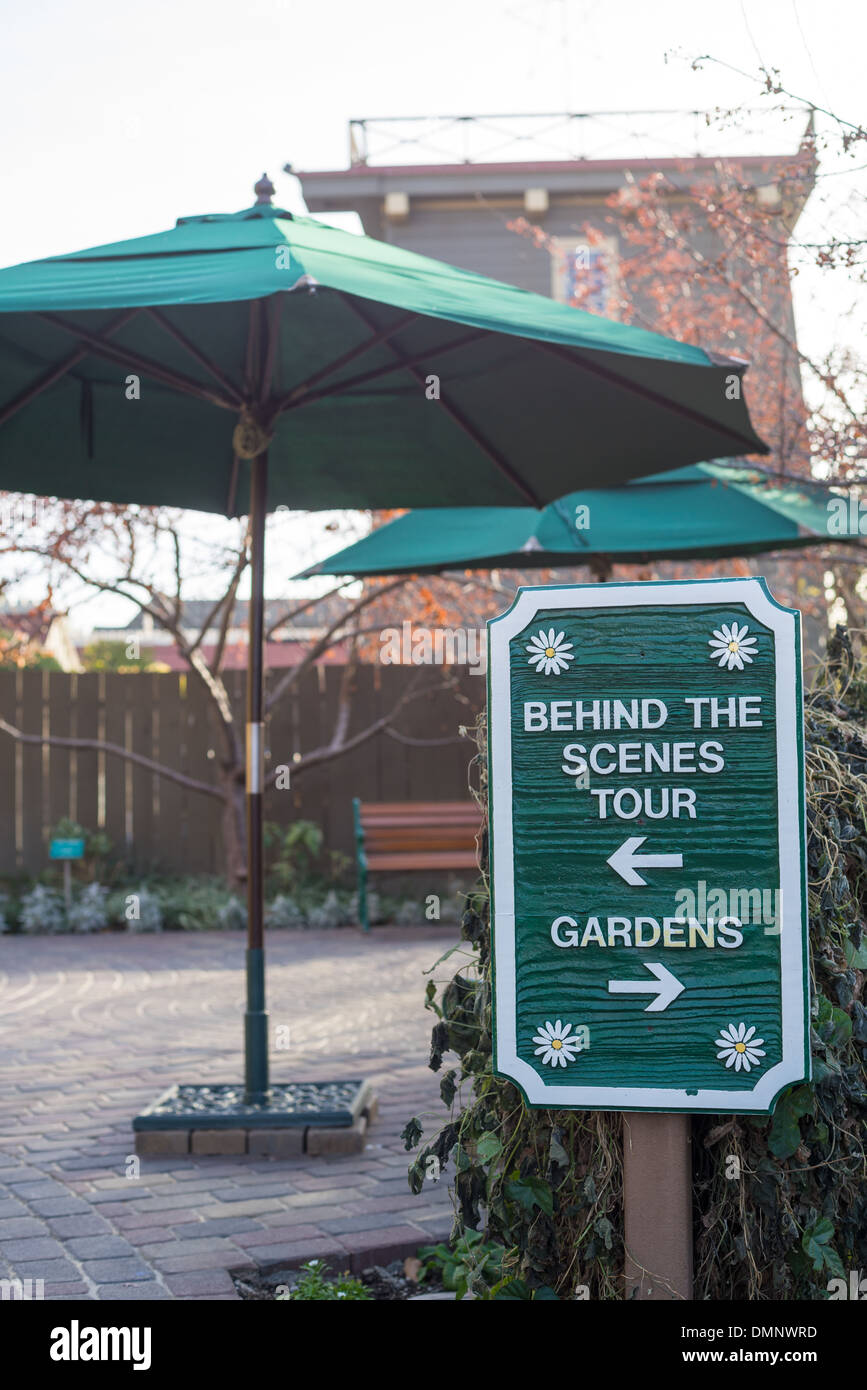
(89, 910)
(331, 913)
(284, 913)
(42, 911)
(192, 904)
(312, 1285)
(232, 916)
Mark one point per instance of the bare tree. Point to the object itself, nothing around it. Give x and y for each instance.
(120, 552)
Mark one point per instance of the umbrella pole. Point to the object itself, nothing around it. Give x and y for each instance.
(256, 1018)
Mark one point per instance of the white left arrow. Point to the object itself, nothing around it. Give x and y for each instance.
(624, 861)
(666, 988)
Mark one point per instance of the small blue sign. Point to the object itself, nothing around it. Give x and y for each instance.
(67, 849)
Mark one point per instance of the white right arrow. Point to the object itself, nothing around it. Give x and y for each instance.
(624, 860)
(666, 989)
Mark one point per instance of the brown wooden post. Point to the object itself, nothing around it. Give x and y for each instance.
(657, 1206)
(256, 1089)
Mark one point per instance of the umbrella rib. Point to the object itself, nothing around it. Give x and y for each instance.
(54, 373)
(381, 336)
(250, 354)
(204, 361)
(755, 446)
(273, 328)
(460, 419)
(125, 356)
(396, 366)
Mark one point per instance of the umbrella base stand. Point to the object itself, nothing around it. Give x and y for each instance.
(318, 1118)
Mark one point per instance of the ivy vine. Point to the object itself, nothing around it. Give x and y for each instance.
(780, 1203)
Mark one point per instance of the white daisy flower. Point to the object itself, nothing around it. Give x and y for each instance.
(739, 1049)
(555, 1047)
(731, 647)
(549, 653)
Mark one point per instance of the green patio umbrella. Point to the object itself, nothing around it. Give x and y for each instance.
(704, 511)
(277, 360)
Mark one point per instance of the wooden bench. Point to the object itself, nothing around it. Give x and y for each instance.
(409, 835)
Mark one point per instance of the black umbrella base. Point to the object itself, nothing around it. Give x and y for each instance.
(300, 1117)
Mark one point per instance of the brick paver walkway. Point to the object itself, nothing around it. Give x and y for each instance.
(93, 1028)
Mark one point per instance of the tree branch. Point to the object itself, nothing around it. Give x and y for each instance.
(294, 673)
(98, 746)
(326, 752)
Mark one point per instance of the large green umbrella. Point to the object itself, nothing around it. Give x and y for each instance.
(181, 368)
(703, 511)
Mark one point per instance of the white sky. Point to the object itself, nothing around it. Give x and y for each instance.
(117, 118)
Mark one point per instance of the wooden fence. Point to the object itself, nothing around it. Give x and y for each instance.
(156, 824)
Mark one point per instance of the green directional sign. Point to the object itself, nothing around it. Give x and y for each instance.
(648, 846)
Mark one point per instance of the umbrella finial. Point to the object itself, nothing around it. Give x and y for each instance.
(264, 190)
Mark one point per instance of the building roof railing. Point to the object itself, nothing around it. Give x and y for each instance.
(577, 135)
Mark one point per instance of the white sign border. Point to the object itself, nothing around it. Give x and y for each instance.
(785, 624)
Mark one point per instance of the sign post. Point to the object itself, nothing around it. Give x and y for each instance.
(66, 850)
(648, 865)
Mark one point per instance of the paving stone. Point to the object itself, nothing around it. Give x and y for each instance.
(147, 1289)
(350, 1140)
(201, 1281)
(44, 1188)
(383, 1245)
(162, 1141)
(370, 1205)
(332, 1178)
(219, 1226)
(277, 1143)
(58, 1206)
(176, 1247)
(88, 1224)
(229, 1258)
(116, 1271)
(297, 1253)
(323, 1197)
(33, 1248)
(151, 1235)
(278, 1235)
(300, 1214)
(255, 1189)
(99, 1247)
(60, 1271)
(350, 1225)
(12, 1227)
(218, 1141)
(134, 1221)
(253, 1207)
